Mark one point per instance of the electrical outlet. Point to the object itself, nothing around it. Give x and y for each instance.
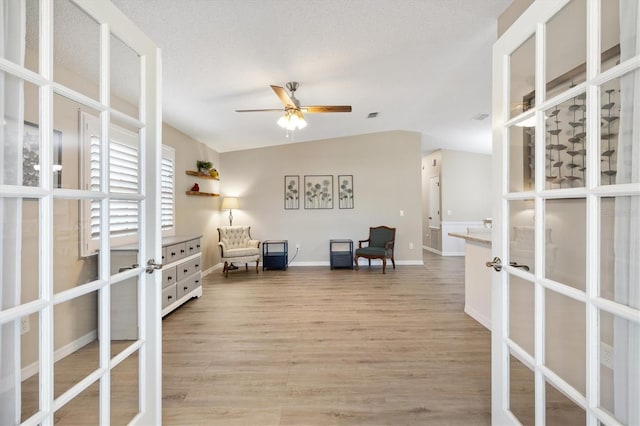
(410, 246)
(401, 212)
(24, 325)
(297, 246)
(606, 355)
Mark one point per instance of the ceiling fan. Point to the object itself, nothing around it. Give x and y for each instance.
(293, 118)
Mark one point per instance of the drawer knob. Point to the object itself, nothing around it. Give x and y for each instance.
(185, 271)
(197, 266)
(190, 248)
(169, 278)
(198, 246)
(197, 281)
(186, 288)
(169, 297)
(181, 251)
(173, 253)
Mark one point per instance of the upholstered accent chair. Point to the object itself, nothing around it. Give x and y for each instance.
(236, 246)
(379, 246)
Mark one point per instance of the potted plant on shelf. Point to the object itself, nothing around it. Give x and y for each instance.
(204, 166)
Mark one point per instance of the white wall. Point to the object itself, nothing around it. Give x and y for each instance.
(386, 179)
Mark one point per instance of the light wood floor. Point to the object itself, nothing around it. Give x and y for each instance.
(311, 346)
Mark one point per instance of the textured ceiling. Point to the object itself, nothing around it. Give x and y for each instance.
(424, 65)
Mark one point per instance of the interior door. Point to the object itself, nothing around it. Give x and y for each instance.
(64, 203)
(566, 291)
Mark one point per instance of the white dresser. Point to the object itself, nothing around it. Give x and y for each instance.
(181, 281)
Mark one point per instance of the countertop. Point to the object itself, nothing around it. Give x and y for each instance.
(476, 238)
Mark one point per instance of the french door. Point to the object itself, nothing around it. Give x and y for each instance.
(566, 131)
(61, 60)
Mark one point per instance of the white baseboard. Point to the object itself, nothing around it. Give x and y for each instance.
(312, 263)
(432, 250)
(210, 270)
(64, 351)
(373, 262)
(486, 322)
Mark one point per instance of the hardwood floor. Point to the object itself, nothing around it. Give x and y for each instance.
(309, 346)
(314, 346)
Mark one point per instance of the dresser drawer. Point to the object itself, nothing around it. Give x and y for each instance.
(176, 252)
(188, 285)
(188, 268)
(169, 276)
(168, 296)
(193, 246)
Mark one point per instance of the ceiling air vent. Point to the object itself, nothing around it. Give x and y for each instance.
(372, 115)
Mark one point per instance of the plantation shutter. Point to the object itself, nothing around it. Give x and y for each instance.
(167, 184)
(123, 178)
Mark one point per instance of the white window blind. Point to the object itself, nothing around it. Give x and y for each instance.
(124, 169)
(123, 178)
(167, 186)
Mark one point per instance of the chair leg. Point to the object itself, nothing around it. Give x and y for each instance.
(355, 260)
(394, 262)
(257, 261)
(246, 267)
(384, 265)
(369, 259)
(225, 269)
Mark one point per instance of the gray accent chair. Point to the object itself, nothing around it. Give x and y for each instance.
(379, 246)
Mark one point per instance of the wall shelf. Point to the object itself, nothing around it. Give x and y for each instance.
(202, 194)
(201, 175)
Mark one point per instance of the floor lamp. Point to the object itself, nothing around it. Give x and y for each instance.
(229, 203)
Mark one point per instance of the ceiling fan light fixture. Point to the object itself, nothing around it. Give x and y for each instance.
(292, 120)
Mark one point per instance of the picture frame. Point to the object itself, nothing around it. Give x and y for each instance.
(345, 191)
(31, 156)
(291, 192)
(318, 192)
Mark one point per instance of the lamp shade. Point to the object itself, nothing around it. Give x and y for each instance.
(229, 203)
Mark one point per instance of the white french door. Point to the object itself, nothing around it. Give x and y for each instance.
(61, 60)
(566, 132)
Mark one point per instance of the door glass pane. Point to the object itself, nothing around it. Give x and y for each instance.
(125, 390)
(30, 365)
(20, 163)
(522, 78)
(560, 410)
(521, 158)
(619, 362)
(124, 159)
(521, 391)
(124, 314)
(521, 313)
(565, 240)
(32, 51)
(619, 108)
(566, 48)
(565, 338)
(30, 250)
(19, 228)
(70, 222)
(521, 237)
(125, 78)
(76, 46)
(74, 131)
(610, 33)
(566, 144)
(84, 409)
(75, 341)
(619, 258)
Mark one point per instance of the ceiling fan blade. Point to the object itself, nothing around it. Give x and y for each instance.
(284, 97)
(326, 108)
(259, 110)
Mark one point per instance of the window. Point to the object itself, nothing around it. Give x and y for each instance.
(123, 179)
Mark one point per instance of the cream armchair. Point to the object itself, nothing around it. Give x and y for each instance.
(236, 246)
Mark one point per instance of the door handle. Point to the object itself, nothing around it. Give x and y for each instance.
(126, 268)
(496, 264)
(152, 266)
(515, 265)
